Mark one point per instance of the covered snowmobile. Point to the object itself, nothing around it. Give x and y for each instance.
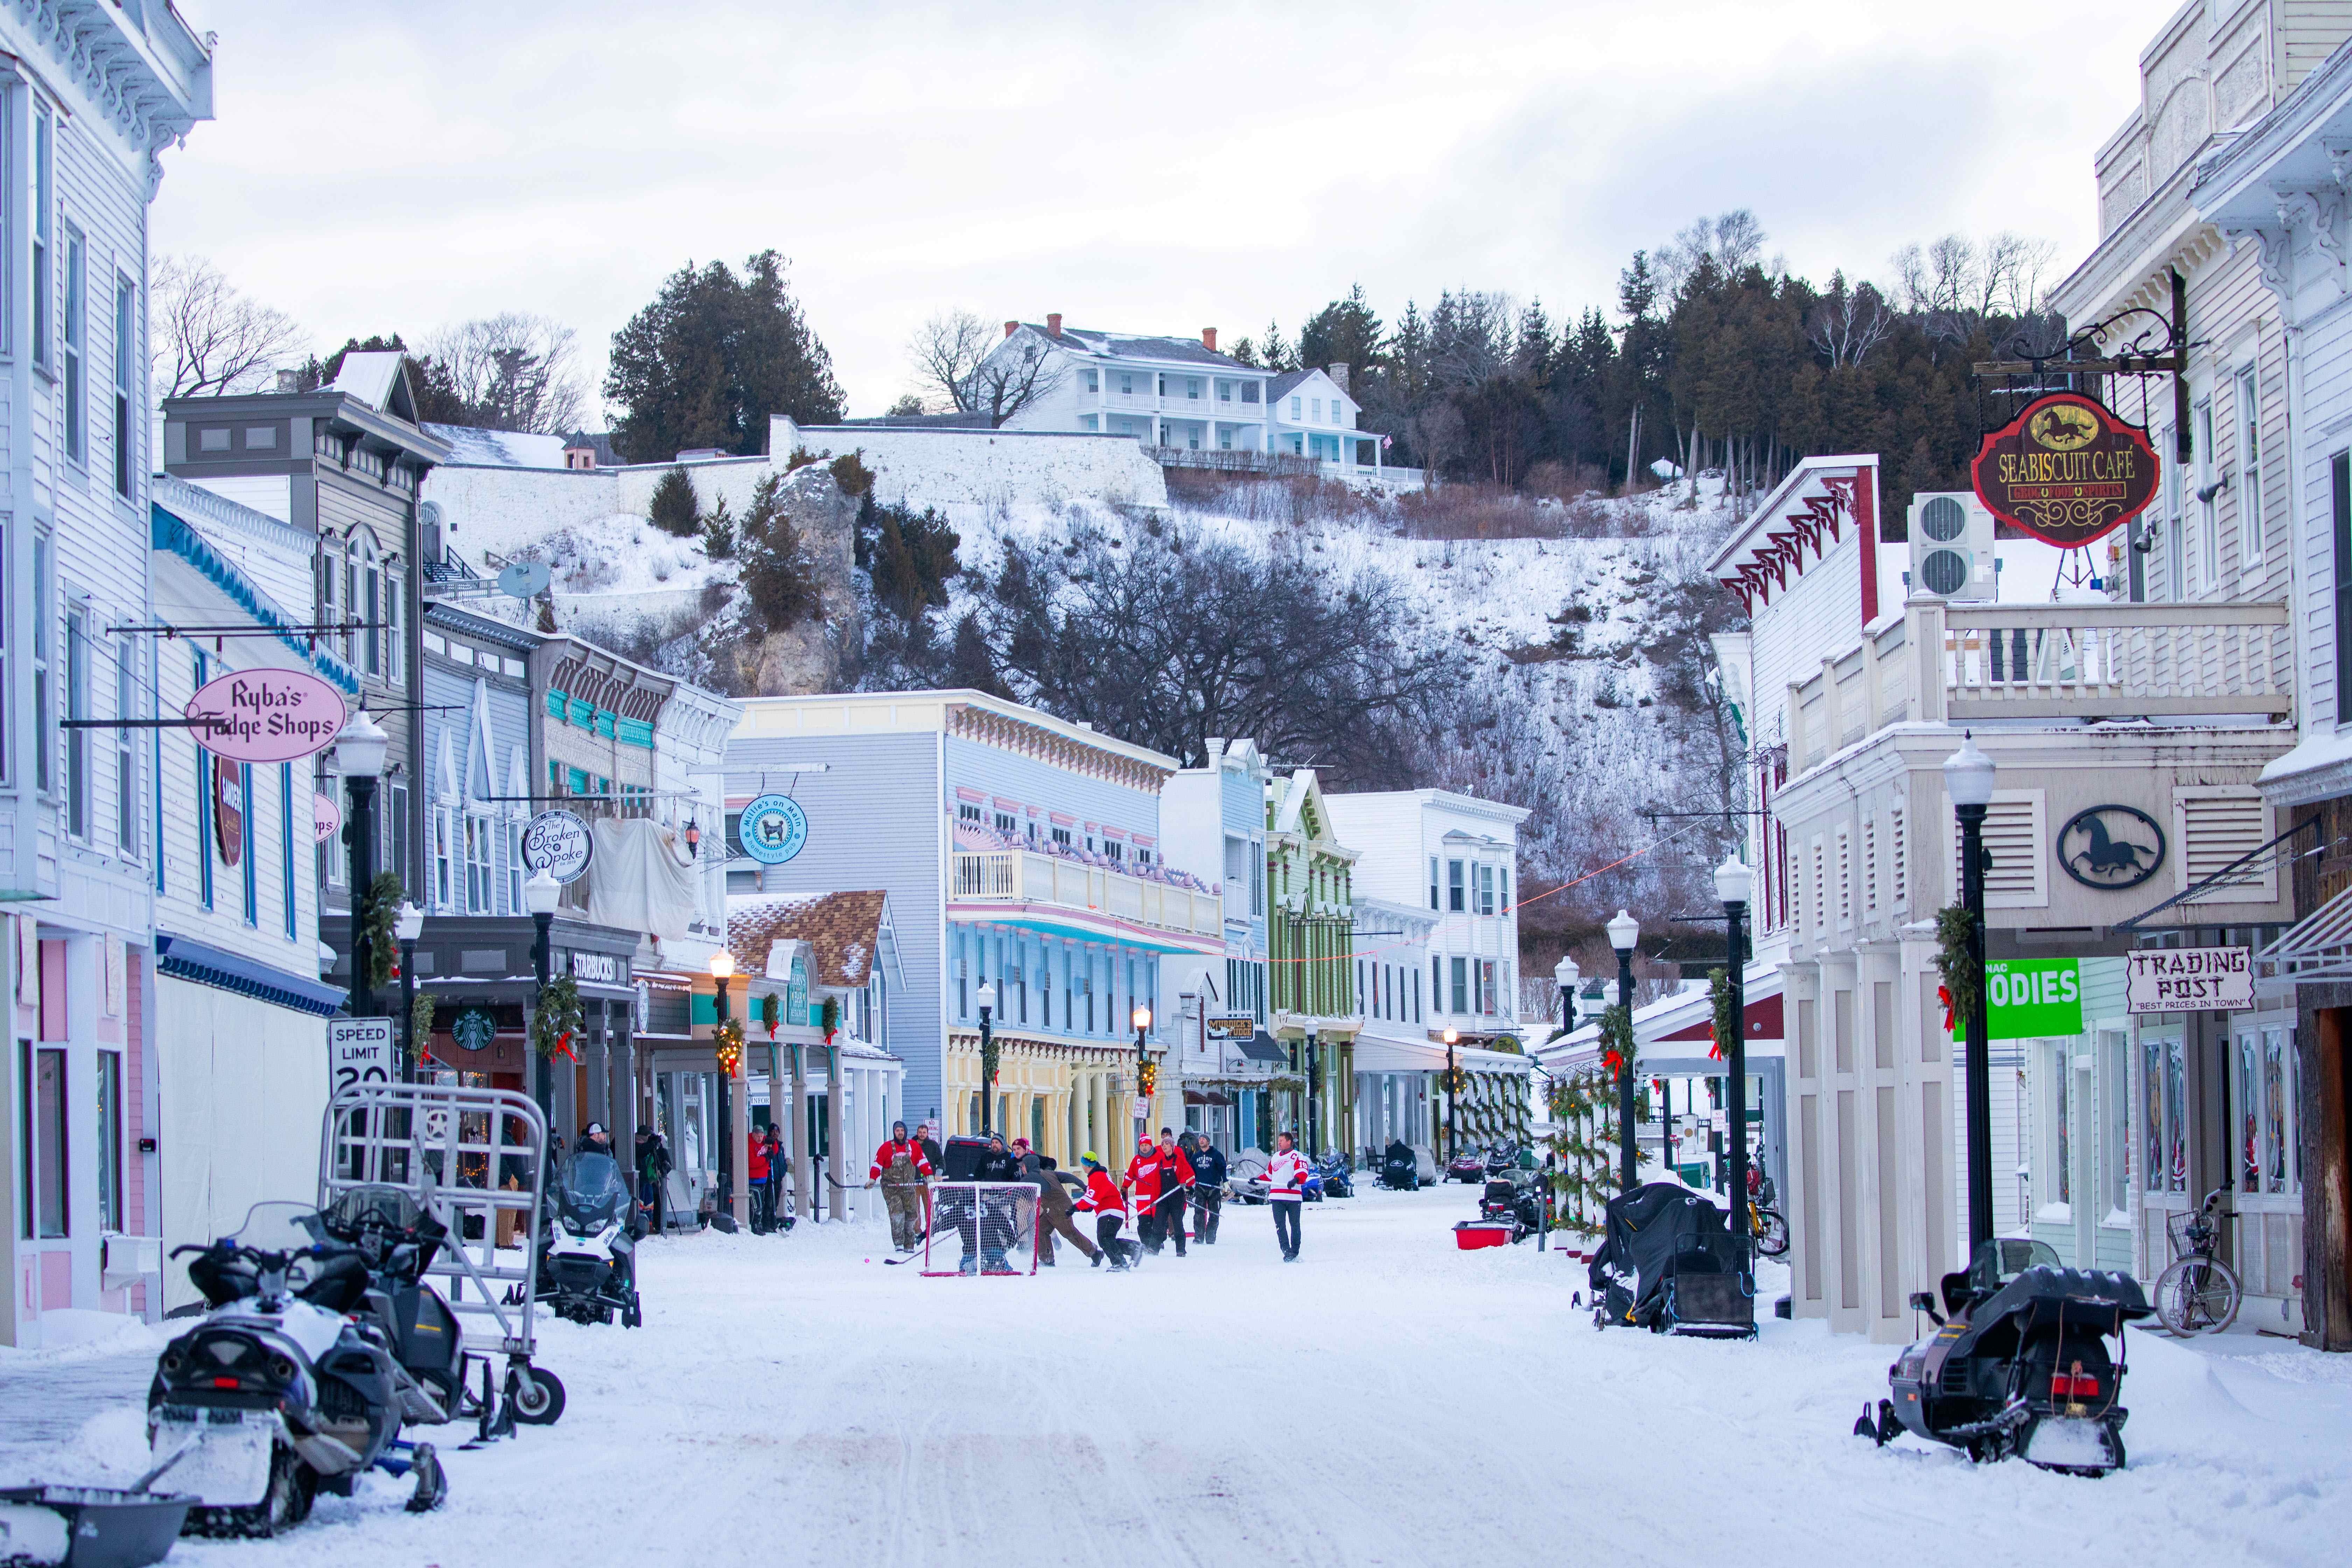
(1668, 1264)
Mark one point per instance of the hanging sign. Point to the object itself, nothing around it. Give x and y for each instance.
(2032, 999)
(229, 811)
(2066, 471)
(266, 715)
(2189, 979)
(1232, 1028)
(772, 829)
(325, 816)
(474, 1028)
(559, 843)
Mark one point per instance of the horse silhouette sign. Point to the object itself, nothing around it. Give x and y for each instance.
(2111, 846)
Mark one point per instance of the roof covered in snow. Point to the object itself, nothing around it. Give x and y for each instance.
(844, 931)
(1124, 345)
(498, 449)
(370, 375)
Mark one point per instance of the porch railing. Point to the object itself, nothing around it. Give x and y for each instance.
(1021, 876)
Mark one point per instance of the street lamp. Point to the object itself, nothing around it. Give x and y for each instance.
(722, 970)
(359, 753)
(408, 925)
(540, 895)
(1624, 931)
(1733, 882)
(1567, 976)
(1967, 776)
(1452, 1089)
(1141, 1019)
(987, 1058)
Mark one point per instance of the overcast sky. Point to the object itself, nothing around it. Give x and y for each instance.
(1146, 168)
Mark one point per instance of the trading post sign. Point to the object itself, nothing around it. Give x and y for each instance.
(2066, 471)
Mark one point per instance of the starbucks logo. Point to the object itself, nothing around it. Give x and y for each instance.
(473, 1029)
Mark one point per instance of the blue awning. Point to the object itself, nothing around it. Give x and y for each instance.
(168, 531)
(206, 965)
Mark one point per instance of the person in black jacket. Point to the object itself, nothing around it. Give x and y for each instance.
(1208, 1188)
(993, 1226)
(652, 1165)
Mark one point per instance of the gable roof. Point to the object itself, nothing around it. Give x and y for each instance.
(1128, 345)
(844, 931)
(379, 378)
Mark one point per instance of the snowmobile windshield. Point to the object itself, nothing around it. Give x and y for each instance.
(374, 1208)
(591, 1192)
(284, 1227)
(2003, 1258)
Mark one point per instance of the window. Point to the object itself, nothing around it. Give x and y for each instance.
(477, 864)
(1436, 982)
(2114, 1065)
(370, 598)
(1486, 890)
(440, 835)
(1454, 888)
(1093, 383)
(246, 835)
(1061, 836)
(2207, 571)
(393, 842)
(126, 755)
(1460, 968)
(1315, 409)
(2249, 469)
(514, 867)
(1489, 995)
(1114, 848)
(77, 710)
(1125, 385)
(1249, 392)
(44, 200)
(1294, 407)
(967, 812)
(1432, 881)
(110, 1141)
(45, 1142)
(1225, 391)
(2175, 556)
(76, 392)
(1192, 387)
(126, 356)
(1005, 823)
(285, 842)
(44, 699)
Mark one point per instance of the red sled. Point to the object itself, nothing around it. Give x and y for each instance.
(1469, 1235)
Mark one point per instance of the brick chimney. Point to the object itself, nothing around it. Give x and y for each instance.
(1209, 339)
(1053, 324)
(1339, 375)
(1011, 328)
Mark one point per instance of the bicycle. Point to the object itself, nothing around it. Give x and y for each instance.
(2198, 1294)
(1765, 1224)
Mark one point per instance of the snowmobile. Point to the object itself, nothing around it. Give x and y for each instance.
(587, 1268)
(1398, 1172)
(1501, 1157)
(1467, 1166)
(1339, 1181)
(283, 1388)
(397, 1240)
(2018, 1364)
(1513, 1198)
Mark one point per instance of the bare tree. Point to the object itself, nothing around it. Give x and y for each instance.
(955, 355)
(208, 338)
(1848, 323)
(1733, 240)
(514, 371)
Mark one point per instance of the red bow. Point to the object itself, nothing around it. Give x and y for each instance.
(1944, 995)
(1714, 1044)
(563, 1047)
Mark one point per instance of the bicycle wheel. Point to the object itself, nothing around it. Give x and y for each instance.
(2196, 1296)
(1771, 1232)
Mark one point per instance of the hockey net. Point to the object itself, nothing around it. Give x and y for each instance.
(981, 1227)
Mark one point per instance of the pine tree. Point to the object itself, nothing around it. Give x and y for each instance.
(674, 508)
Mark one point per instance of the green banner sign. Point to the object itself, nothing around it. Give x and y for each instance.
(2032, 998)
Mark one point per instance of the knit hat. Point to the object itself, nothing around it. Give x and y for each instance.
(1091, 1158)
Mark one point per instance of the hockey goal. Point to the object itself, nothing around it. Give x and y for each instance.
(981, 1227)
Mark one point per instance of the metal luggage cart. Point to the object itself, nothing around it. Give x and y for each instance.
(455, 1150)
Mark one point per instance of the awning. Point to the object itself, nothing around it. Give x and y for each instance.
(1206, 1096)
(2318, 947)
(1264, 1047)
(207, 965)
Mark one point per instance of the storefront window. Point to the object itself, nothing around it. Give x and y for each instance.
(45, 1153)
(2248, 1108)
(2152, 1115)
(110, 1139)
(2063, 1076)
(2282, 1161)
(2176, 1134)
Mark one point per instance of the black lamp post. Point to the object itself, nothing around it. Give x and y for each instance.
(540, 895)
(1969, 775)
(1141, 1019)
(1453, 1091)
(1567, 976)
(408, 925)
(1733, 882)
(1624, 931)
(1314, 1108)
(722, 970)
(359, 753)
(987, 1059)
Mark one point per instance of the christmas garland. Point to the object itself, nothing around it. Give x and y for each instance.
(729, 1038)
(1961, 993)
(558, 1018)
(1617, 1052)
(1726, 1018)
(829, 1015)
(420, 1025)
(373, 923)
(770, 1013)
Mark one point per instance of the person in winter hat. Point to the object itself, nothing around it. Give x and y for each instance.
(755, 1177)
(901, 1166)
(931, 1151)
(991, 1227)
(1285, 1179)
(652, 1165)
(1209, 1171)
(1104, 1200)
(1142, 1181)
(1175, 1190)
(1054, 1209)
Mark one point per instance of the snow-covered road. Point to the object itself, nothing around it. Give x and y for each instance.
(1385, 1400)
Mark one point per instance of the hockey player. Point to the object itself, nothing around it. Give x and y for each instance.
(901, 1166)
(1104, 1200)
(1285, 1179)
(1175, 1190)
(1208, 1188)
(1053, 1207)
(1142, 1184)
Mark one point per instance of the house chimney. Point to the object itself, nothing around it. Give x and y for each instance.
(1339, 375)
(1053, 324)
(1209, 339)
(290, 381)
(1011, 328)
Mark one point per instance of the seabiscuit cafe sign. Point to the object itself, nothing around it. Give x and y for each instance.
(2066, 471)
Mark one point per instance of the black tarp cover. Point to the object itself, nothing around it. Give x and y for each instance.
(1652, 1231)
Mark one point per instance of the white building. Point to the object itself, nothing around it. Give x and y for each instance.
(91, 91)
(1312, 416)
(1165, 392)
(1436, 948)
(1215, 815)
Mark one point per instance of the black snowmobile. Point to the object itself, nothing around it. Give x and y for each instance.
(1398, 1170)
(1513, 1198)
(1670, 1264)
(2018, 1365)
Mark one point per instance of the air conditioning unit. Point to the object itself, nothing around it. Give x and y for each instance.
(1951, 546)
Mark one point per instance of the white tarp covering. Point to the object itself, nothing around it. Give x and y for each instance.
(639, 882)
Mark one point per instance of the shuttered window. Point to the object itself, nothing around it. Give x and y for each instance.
(1845, 879)
(2215, 828)
(1896, 851)
(1870, 865)
(2014, 850)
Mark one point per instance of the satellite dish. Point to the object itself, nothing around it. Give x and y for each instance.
(524, 579)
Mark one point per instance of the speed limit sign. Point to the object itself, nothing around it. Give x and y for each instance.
(359, 1051)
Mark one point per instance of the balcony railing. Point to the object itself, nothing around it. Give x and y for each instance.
(1020, 876)
(1225, 462)
(1961, 663)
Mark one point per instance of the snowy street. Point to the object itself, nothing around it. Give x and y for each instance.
(1385, 1400)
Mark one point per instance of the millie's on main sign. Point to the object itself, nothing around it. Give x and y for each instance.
(2189, 979)
(2066, 471)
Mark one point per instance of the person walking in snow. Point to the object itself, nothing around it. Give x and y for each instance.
(1054, 1208)
(755, 1177)
(1285, 1179)
(1175, 1190)
(653, 1165)
(931, 1151)
(1142, 1184)
(1208, 1172)
(1104, 1200)
(901, 1166)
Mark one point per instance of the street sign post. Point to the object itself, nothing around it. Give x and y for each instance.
(360, 1051)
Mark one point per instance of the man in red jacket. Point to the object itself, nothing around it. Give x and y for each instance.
(1142, 1184)
(901, 1166)
(1103, 1199)
(1175, 1189)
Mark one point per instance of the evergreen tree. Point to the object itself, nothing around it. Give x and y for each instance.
(1344, 331)
(674, 508)
(1273, 354)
